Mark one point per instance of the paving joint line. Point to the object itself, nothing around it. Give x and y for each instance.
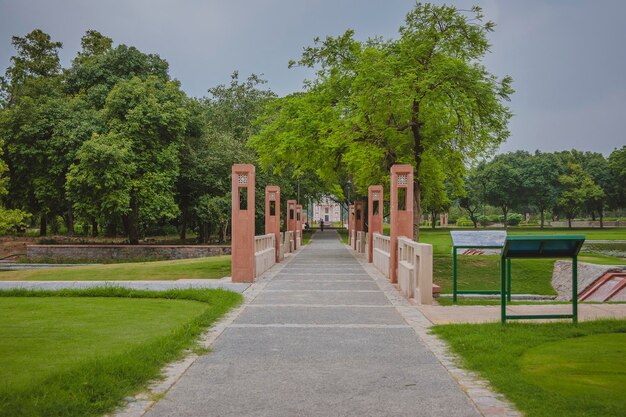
(481, 395)
(173, 372)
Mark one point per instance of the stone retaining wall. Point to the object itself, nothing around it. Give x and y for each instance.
(121, 252)
(589, 223)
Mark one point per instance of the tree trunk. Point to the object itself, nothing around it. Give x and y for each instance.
(43, 225)
(505, 211)
(94, 228)
(593, 215)
(601, 217)
(183, 222)
(418, 149)
(417, 209)
(569, 222)
(133, 222)
(434, 221)
(69, 220)
(542, 219)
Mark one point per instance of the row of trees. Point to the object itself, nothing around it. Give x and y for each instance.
(569, 184)
(114, 143)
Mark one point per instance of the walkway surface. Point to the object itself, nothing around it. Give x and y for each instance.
(320, 338)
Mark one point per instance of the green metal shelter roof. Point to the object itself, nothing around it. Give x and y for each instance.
(564, 246)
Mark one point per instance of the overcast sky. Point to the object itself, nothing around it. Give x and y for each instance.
(567, 58)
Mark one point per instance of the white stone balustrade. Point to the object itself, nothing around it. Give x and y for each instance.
(361, 242)
(264, 253)
(415, 270)
(382, 253)
(289, 242)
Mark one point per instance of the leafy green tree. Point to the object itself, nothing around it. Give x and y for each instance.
(578, 190)
(617, 188)
(11, 220)
(34, 105)
(145, 123)
(597, 166)
(380, 102)
(541, 177)
(502, 181)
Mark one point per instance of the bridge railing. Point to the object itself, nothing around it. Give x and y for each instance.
(289, 242)
(415, 270)
(264, 252)
(382, 253)
(361, 241)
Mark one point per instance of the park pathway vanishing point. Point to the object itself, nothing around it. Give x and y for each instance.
(320, 339)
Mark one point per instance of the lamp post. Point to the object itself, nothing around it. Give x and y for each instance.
(349, 183)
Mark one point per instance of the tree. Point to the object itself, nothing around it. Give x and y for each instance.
(502, 180)
(376, 103)
(578, 189)
(34, 106)
(472, 196)
(541, 176)
(145, 124)
(617, 189)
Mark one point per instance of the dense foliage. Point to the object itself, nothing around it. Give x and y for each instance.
(567, 184)
(423, 99)
(113, 144)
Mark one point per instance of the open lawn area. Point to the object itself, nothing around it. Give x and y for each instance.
(549, 369)
(198, 268)
(81, 352)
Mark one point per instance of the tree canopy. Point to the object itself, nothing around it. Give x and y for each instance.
(423, 99)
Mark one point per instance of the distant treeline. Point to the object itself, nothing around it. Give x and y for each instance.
(567, 184)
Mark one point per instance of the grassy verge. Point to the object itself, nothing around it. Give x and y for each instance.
(307, 235)
(343, 235)
(212, 267)
(81, 352)
(549, 369)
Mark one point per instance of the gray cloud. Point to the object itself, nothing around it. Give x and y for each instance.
(566, 57)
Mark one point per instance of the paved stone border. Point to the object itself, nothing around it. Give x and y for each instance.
(141, 403)
(487, 402)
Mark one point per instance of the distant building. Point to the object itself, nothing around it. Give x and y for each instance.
(326, 209)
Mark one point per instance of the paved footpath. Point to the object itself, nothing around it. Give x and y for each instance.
(321, 337)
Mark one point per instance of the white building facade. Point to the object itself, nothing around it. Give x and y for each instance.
(326, 209)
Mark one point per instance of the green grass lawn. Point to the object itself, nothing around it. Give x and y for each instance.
(211, 267)
(549, 369)
(307, 235)
(343, 236)
(81, 352)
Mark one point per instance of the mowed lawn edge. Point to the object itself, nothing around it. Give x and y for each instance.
(496, 352)
(197, 268)
(97, 386)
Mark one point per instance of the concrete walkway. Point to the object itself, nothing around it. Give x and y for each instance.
(321, 337)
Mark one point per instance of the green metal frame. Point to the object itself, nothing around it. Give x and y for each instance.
(455, 289)
(505, 275)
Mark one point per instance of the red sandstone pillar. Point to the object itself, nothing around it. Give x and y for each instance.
(291, 220)
(359, 220)
(272, 215)
(243, 262)
(401, 197)
(299, 222)
(374, 216)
